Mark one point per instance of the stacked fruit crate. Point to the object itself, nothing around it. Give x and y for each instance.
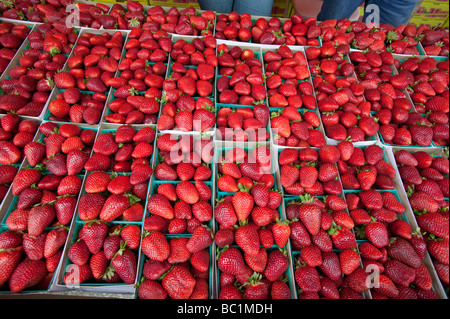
(254, 157)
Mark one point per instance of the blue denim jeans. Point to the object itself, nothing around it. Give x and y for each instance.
(253, 7)
(393, 12)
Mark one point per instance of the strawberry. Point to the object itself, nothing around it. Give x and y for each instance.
(54, 240)
(377, 234)
(39, 218)
(386, 286)
(231, 261)
(201, 238)
(178, 283)
(277, 264)
(307, 278)
(310, 214)
(9, 153)
(401, 250)
(281, 233)
(243, 204)
(433, 223)
(125, 264)
(246, 236)
(114, 207)
(27, 274)
(94, 234)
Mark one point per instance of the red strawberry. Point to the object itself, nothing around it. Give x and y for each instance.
(247, 237)
(94, 234)
(243, 204)
(179, 283)
(231, 261)
(310, 214)
(125, 264)
(402, 250)
(377, 234)
(307, 278)
(27, 274)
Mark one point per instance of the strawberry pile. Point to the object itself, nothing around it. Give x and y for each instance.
(250, 223)
(124, 150)
(138, 84)
(180, 197)
(324, 245)
(19, 86)
(36, 227)
(176, 267)
(52, 202)
(188, 93)
(292, 127)
(241, 165)
(390, 246)
(400, 42)
(388, 98)
(243, 124)
(30, 261)
(61, 149)
(183, 158)
(11, 38)
(32, 79)
(310, 171)
(428, 88)
(245, 28)
(196, 81)
(434, 41)
(82, 90)
(365, 168)
(189, 88)
(124, 17)
(240, 76)
(344, 113)
(188, 21)
(330, 60)
(425, 178)
(287, 79)
(354, 33)
(53, 11)
(101, 253)
(260, 276)
(15, 134)
(179, 208)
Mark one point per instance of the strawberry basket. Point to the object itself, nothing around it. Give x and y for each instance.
(259, 30)
(233, 282)
(102, 276)
(249, 124)
(13, 59)
(187, 114)
(201, 211)
(297, 129)
(141, 70)
(423, 206)
(42, 240)
(19, 131)
(89, 112)
(327, 183)
(192, 164)
(142, 110)
(200, 264)
(48, 265)
(243, 83)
